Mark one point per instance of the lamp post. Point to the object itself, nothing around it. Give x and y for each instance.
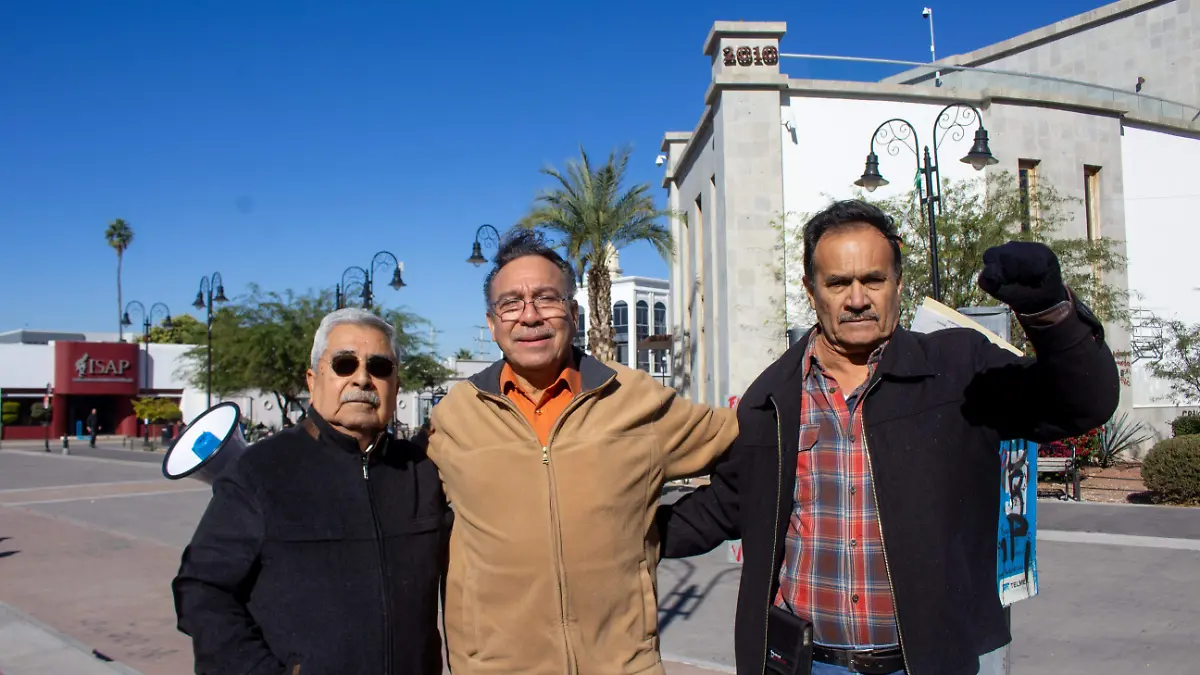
(204, 300)
(381, 260)
(953, 120)
(491, 238)
(147, 319)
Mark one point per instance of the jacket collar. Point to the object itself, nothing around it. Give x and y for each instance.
(904, 358)
(322, 432)
(592, 374)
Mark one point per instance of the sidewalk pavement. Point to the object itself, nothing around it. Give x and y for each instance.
(29, 647)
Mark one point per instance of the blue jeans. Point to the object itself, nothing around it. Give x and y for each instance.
(826, 669)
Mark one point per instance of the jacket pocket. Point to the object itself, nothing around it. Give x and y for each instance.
(649, 602)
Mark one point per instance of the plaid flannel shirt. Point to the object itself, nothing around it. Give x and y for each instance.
(833, 571)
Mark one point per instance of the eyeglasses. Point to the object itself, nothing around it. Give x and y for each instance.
(547, 306)
(345, 365)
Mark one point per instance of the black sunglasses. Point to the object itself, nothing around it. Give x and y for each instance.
(345, 365)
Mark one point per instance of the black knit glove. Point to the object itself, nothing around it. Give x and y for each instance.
(1023, 275)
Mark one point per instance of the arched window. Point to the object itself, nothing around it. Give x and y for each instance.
(620, 322)
(660, 319)
(643, 319)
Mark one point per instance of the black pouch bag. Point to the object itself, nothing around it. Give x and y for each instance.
(789, 643)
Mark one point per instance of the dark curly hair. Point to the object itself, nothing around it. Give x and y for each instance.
(849, 213)
(521, 242)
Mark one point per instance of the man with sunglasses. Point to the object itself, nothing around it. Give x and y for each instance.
(323, 546)
(554, 462)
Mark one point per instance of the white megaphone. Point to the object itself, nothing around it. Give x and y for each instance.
(209, 444)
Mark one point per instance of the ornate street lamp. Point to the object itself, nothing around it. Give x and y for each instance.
(204, 300)
(365, 277)
(491, 237)
(953, 120)
(147, 319)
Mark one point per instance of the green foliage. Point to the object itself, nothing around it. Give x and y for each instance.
(980, 213)
(1118, 436)
(9, 412)
(1180, 363)
(589, 211)
(464, 354)
(976, 215)
(1172, 469)
(157, 410)
(40, 413)
(119, 235)
(185, 330)
(263, 342)
(422, 371)
(1186, 425)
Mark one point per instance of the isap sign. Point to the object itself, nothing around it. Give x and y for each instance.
(88, 369)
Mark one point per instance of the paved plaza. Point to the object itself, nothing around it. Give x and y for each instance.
(90, 541)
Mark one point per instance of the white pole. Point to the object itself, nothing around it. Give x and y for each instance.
(928, 13)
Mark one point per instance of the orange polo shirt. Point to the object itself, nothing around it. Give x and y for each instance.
(542, 414)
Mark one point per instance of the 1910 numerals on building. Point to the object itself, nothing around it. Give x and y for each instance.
(751, 56)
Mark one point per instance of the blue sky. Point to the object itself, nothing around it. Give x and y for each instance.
(279, 142)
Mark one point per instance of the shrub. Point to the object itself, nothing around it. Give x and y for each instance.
(1118, 435)
(9, 411)
(1085, 444)
(1186, 425)
(1172, 469)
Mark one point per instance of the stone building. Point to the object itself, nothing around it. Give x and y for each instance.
(1111, 119)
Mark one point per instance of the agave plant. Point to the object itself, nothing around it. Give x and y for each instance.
(1118, 435)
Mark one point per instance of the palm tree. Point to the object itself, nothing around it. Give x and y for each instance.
(119, 236)
(590, 213)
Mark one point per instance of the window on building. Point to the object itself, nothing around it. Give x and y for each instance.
(643, 319)
(643, 362)
(1027, 182)
(660, 319)
(1091, 200)
(660, 362)
(581, 330)
(620, 322)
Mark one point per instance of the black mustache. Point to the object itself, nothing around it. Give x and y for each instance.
(865, 316)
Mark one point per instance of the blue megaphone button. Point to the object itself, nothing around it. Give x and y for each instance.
(206, 445)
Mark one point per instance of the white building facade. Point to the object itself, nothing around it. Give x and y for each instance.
(770, 150)
(641, 320)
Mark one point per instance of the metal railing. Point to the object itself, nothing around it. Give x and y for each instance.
(977, 77)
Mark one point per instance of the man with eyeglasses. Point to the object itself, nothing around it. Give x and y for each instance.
(323, 546)
(554, 463)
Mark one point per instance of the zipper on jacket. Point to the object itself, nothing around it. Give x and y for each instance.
(383, 584)
(883, 540)
(555, 525)
(774, 527)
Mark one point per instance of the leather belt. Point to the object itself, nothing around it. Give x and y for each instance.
(870, 662)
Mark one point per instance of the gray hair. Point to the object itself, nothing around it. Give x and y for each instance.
(356, 317)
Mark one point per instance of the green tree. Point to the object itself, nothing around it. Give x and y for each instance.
(156, 410)
(263, 342)
(589, 211)
(422, 371)
(119, 236)
(976, 215)
(1179, 364)
(464, 354)
(185, 330)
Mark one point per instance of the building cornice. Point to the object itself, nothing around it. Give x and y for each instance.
(746, 29)
(1056, 31)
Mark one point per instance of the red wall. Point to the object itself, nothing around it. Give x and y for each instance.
(103, 368)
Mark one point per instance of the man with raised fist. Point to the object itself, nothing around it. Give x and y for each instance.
(863, 480)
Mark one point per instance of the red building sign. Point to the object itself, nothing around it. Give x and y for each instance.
(96, 368)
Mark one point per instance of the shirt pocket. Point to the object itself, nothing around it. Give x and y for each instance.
(806, 493)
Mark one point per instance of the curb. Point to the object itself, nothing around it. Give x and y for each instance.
(100, 664)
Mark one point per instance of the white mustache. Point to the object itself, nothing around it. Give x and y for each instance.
(359, 395)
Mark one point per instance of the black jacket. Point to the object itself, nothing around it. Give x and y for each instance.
(934, 414)
(301, 560)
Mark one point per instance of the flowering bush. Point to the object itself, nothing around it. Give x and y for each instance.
(1084, 444)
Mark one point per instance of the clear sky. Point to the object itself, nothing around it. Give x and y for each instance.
(281, 141)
